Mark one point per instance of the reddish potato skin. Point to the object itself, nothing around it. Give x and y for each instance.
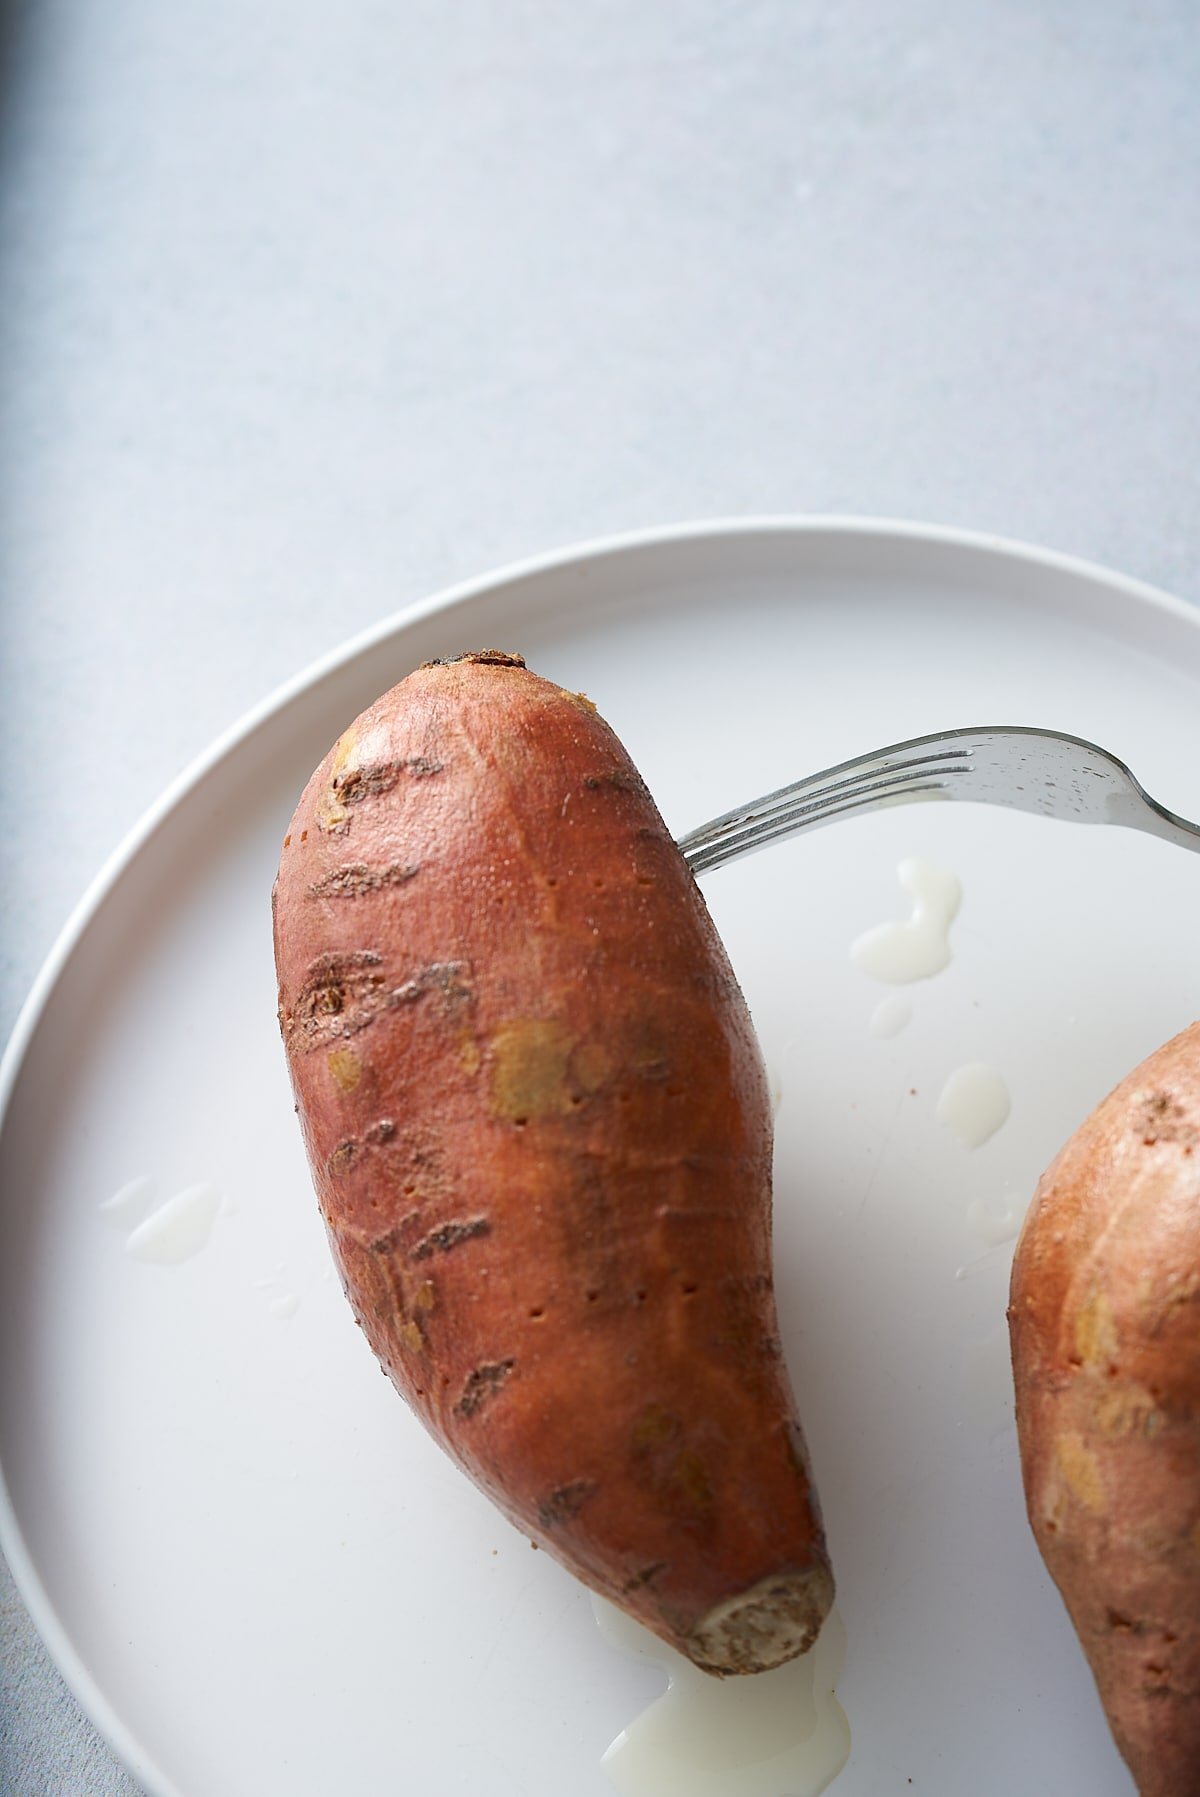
(540, 1134)
(1105, 1327)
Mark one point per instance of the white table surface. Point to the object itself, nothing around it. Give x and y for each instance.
(307, 311)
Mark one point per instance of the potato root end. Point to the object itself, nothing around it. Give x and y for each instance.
(775, 1620)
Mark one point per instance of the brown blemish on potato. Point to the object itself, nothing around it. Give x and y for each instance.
(530, 1067)
(469, 1056)
(356, 879)
(565, 1502)
(449, 1235)
(495, 658)
(376, 778)
(341, 994)
(1164, 1119)
(482, 1385)
(345, 1067)
(426, 1295)
(645, 1576)
(616, 779)
(373, 1272)
(359, 783)
(349, 1152)
(410, 1334)
(1081, 1471)
(449, 980)
(342, 1158)
(1120, 1624)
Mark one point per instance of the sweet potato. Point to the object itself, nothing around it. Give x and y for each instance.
(540, 1133)
(1105, 1327)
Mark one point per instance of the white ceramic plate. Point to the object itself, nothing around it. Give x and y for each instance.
(255, 1570)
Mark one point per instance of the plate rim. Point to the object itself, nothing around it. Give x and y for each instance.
(728, 529)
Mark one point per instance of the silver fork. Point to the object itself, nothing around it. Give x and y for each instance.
(1043, 771)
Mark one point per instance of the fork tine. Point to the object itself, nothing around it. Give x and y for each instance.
(761, 828)
(883, 766)
(879, 773)
(882, 769)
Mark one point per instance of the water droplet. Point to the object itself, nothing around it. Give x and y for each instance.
(128, 1205)
(890, 1016)
(974, 1102)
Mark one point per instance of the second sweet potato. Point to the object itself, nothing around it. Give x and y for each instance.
(1105, 1325)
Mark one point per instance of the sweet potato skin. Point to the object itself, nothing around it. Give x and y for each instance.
(540, 1133)
(1104, 1319)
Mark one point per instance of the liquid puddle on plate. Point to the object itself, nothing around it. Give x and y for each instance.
(168, 1233)
(172, 1231)
(916, 947)
(997, 1226)
(974, 1102)
(890, 1016)
(776, 1734)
